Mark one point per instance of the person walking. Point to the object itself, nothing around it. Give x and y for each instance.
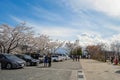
(115, 60)
(73, 57)
(78, 57)
(45, 60)
(111, 59)
(49, 60)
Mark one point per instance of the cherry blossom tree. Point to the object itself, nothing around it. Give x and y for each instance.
(55, 45)
(11, 37)
(43, 43)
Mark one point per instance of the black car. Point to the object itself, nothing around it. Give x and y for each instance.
(29, 60)
(10, 61)
(36, 56)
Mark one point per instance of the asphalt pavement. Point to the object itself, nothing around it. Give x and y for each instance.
(66, 70)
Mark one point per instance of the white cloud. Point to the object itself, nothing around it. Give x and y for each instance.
(16, 19)
(94, 39)
(45, 14)
(115, 28)
(86, 37)
(115, 38)
(109, 7)
(90, 39)
(55, 32)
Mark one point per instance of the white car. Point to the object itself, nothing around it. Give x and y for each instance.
(65, 57)
(57, 58)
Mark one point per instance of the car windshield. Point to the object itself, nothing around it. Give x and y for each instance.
(12, 57)
(27, 57)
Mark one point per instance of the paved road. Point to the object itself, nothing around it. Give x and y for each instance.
(95, 70)
(66, 70)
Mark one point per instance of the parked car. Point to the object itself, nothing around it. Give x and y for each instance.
(0, 65)
(41, 58)
(65, 57)
(37, 56)
(10, 61)
(29, 60)
(56, 58)
(62, 56)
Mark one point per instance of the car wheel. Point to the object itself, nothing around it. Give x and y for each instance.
(0, 66)
(8, 66)
(37, 63)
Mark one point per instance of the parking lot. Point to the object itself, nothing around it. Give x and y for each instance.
(58, 71)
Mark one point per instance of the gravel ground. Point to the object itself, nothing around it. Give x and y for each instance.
(58, 71)
(95, 70)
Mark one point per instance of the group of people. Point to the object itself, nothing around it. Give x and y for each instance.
(76, 57)
(47, 60)
(115, 60)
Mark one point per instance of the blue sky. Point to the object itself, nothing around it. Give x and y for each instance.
(65, 19)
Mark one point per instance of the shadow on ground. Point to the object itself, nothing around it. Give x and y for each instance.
(42, 67)
(118, 72)
(13, 69)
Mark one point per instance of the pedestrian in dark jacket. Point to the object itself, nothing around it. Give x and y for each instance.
(45, 60)
(49, 60)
